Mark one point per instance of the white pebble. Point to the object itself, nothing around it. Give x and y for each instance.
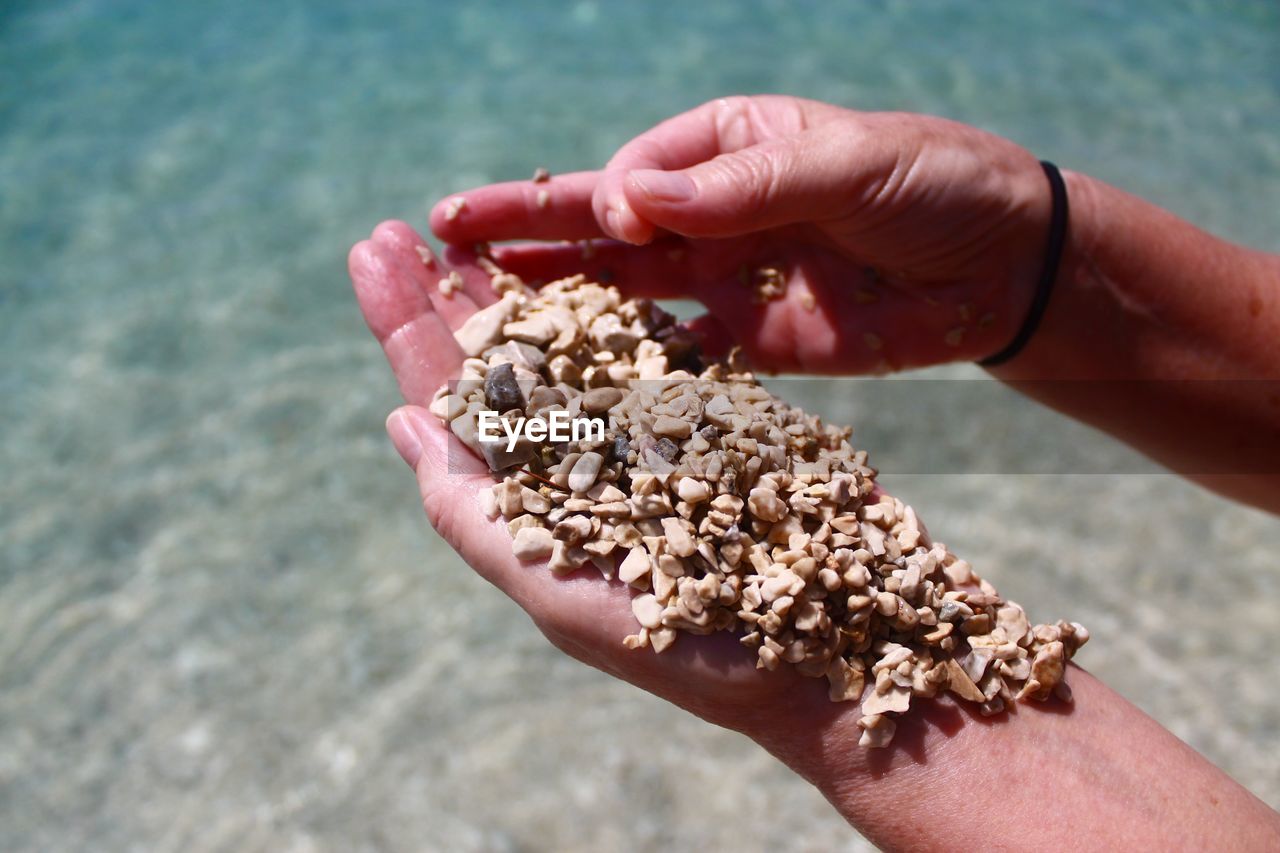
(692, 491)
(634, 566)
(647, 610)
(454, 207)
(585, 470)
(533, 543)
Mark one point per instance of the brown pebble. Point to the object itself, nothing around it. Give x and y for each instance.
(501, 392)
(599, 400)
(670, 427)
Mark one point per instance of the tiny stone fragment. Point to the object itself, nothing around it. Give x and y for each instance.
(600, 400)
(635, 566)
(450, 284)
(532, 543)
(583, 475)
(501, 393)
(483, 329)
(647, 610)
(454, 207)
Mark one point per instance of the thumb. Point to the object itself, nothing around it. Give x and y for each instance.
(774, 183)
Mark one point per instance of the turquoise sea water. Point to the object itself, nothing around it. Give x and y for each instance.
(223, 623)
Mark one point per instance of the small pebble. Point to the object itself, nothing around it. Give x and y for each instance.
(450, 284)
(454, 207)
(501, 391)
(692, 491)
(670, 427)
(600, 400)
(634, 566)
(585, 470)
(532, 543)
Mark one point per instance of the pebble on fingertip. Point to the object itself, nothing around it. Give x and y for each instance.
(454, 207)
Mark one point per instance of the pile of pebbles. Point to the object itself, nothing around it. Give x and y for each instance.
(726, 509)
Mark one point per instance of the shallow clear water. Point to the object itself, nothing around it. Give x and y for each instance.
(223, 622)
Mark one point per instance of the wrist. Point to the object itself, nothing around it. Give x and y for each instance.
(954, 779)
(868, 787)
(1054, 350)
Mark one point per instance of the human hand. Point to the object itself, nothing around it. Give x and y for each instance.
(712, 676)
(902, 240)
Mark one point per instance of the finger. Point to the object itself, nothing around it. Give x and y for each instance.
(657, 271)
(811, 177)
(401, 237)
(717, 127)
(558, 209)
(679, 141)
(417, 343)
(402, 243)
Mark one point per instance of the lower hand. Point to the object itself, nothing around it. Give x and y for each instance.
(582, 615)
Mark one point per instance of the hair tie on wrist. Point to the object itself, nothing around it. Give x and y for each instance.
(1048, 273)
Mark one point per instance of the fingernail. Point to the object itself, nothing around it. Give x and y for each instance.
(664, 186)
(404, 435)
(613, 222)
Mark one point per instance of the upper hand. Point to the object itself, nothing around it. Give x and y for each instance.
(904, 240)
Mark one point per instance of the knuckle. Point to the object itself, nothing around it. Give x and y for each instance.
(733, 123)
(753, 177)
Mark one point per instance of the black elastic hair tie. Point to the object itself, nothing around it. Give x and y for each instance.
(1048, 274)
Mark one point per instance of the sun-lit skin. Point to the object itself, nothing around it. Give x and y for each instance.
(830, 241)
(1096, 775)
